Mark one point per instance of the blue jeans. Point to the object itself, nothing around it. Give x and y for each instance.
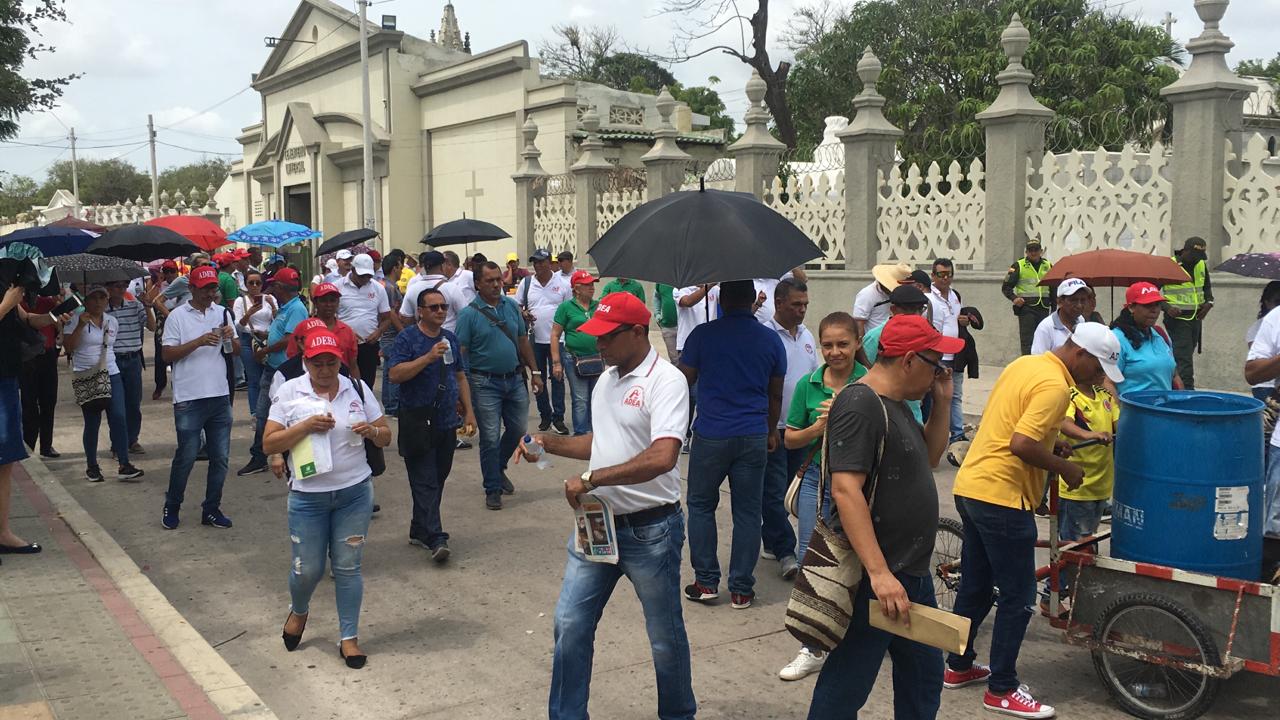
(775, 524)
(999, 552)
(262, 408)
(428, 468)
(213, 417)
(548, 408)
(1271, 493)
(580, 389)
(333, 525)
(390, 390)
(502, 412)
(649, 556)
(807, 506)
(116, 425)
(957, 406)
(851, 668)
(130, 365)
(252, 370)
(742, 459)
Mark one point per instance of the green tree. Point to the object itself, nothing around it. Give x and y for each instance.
(1261, 68)
(629, 71)
(1100, 72)
(101, 181)
(18, 21)
(200, 175)
(17, 194)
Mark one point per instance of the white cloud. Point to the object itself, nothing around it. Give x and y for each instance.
(209, 123)
(580, 12)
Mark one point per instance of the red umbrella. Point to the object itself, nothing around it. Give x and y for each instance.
(1116, 268)
(197, 229)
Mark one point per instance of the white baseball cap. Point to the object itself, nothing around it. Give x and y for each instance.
(343, 254)
(362, 264)
(1071, 286)
(1102, 344)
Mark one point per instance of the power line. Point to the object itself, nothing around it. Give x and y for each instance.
(211, 108)
(196, 150)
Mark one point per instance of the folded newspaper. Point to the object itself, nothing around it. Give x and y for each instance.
(597, 539)
(312, 455)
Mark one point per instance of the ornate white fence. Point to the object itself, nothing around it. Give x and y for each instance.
(1251, 215)
(919, 222)
(555, 224)
(1087, 201)
(817, 208)
(611, 206)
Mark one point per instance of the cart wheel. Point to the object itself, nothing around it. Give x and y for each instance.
(946, 561)
(1168, 635)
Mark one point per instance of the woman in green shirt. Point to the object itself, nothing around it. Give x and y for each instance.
(577, 346)
(806, 422)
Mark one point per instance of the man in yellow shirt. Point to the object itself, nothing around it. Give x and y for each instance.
(996, 490)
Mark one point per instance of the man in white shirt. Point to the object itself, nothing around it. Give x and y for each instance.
(947, 319)
(459, 277)
(764, 294)
(871, 305)
(1074, 297)
(539, 295)
(364, 307)
(432, 266)
(344, 259)
(791, 302)
(564, 265)
(196, 339)
(1264, 364)
(639, 410)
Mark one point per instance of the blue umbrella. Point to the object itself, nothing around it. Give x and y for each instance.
(52, 240)
(273, 233)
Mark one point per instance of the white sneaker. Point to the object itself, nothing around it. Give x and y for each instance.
(1017, 703)
(805, 664)
(767, 555)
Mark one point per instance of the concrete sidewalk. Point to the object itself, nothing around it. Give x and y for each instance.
(80, 638)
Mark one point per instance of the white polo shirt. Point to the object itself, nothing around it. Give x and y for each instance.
(465, 281)
(89, 351)
(688, 318)
(946, 314)
(203, 373)
(871, 305)
(628, 414)
(1050, 334)
(802, 359)
(452, 295)
(361, 306)
(294, 401)
(543, 301)
(1266, 345)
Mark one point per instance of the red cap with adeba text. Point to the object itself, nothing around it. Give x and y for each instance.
(203, 276)
(615, 310)
(306, 327)
(321, 342)
(1142, 293)
(912, 333)
(325, 289)
(288, 277)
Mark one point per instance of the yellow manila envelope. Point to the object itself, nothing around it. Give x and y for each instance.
(929, 626)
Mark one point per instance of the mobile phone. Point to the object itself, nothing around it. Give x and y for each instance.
(65, 306)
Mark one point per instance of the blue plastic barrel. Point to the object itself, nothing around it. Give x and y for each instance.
(1189, 482)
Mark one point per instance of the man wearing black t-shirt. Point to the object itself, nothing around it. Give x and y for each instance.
(881, 461)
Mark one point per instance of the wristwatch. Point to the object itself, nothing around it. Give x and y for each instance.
(586, 481)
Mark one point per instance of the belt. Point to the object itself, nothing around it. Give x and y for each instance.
(646, 517)
(499, 376)
(129, 353)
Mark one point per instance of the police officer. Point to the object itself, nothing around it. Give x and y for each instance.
(1031, 300)
(1188, 303)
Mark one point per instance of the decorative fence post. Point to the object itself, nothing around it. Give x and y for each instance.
(756, 153)
(870, 145)
(528, 189)
(1014, 126)
(665, 162)
(590, 167)
(1207, 106)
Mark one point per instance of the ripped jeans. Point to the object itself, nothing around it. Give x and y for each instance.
(333, 525)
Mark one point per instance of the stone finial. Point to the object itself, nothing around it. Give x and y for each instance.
(592, 156)
(664, 137)
(869, 68)
(531, 167)
(1208, 68)
(757, 133)
(1015, 96)
(591, 121)
(1015, 40)
(868, 118)
(209, 192)
(666, 105)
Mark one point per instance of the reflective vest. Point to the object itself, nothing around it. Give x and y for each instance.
(1187, 296)
(1029, 286)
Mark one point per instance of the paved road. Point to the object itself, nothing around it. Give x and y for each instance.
(473, 639)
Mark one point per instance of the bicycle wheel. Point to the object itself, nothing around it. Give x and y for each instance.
(1171, 640)
(946, 561)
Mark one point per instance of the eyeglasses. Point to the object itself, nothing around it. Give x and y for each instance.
(437, 307)
(943, 273)
(938, 368)
(616, 332)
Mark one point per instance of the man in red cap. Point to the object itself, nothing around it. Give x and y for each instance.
(197, 337)
(639, 410)
(879, 457)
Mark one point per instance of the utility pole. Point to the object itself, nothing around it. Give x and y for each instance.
(75, 172)
(155, 179)
(370, 220)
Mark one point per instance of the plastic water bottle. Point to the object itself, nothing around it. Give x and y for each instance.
(355, 417)
(228, 347)
(543, 462)
(1149, 690)
(448, 352)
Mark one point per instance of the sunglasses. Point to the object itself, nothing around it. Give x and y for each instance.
(616, 332)
(437, 307)
(938, 368)
(943, 273)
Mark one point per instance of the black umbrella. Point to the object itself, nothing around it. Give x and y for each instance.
(143, 242)
(96, 269)
(1256, 265)
(345, 240)
(702, 236)
(466, 230)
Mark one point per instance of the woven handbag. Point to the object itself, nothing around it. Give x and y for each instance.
(791, 501)
(92, 387)
(821, 603)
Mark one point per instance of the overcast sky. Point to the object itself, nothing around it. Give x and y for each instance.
(186, 60)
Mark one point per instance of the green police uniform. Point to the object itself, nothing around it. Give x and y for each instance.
(1023, 281)
(1191, 299)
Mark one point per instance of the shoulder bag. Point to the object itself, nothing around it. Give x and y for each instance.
(821, 603)
(92, 387)
(372, 453)
(791, 501)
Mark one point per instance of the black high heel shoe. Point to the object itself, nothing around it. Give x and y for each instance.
(355, 662)
(291, 641)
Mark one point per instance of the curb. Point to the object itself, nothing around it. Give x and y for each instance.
(224, 687)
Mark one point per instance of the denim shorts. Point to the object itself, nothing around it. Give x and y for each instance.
(11, 447)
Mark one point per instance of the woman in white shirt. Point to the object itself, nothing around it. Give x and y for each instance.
(1269, 301)
(90, 339)
(329, 510)
(253, 312)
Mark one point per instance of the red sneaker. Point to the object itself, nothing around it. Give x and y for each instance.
(952, 679)
(1018, 703)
